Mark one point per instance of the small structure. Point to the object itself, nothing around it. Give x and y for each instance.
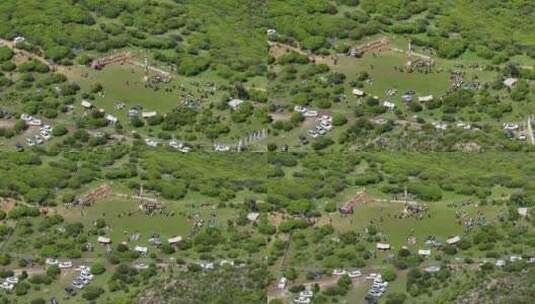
(432, 269)
(515, 258)
(148, 114)
(104, 240)
(510, 82)
(235, 104)
(111, 119)
(141, 250)
(454, 240)
(65, 265)
(311, 113)
(151, 142)
(424, 252)
(253, 216)
(358, 93)
(282, 283)
(500, 263)
(523, 211)
(406, 98)
(383, 246)
(86, 104)
(425, 98)
(389, 105)
(174, 240)
(19, 39)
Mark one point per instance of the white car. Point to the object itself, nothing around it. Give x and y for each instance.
(83, 268)
(77, 285)
(7, 286)
(326, 118)
(46, 135)
(35, 122)
(30, 142)
(141, 266)
(339, 272)
(355, 274)
(64, 265)
(306, 294)
(300, 109)
(26, 117)
(39, 140)
(282, 283)
(326, 126)
(51, 261)
(310, 114)
(221, 148)
(151, 142)
(302, 300)
(373, 276)
(207, 266)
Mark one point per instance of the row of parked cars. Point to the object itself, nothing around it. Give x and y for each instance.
(175, 144)
(83, 279)
(304, 297)
(9, 283)
(378, 287)
(45, 133)
(324, 126)
(352, 273)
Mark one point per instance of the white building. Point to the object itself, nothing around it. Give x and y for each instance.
(358, 93)
(149, 114)
(510, 82)
(282, 283)
(253, 216)
(104, 240)
(174, 240)
(424, 252)
(311, 113)
(141, 250)
(19, 39)
(383, 246)
(235, 104)
(432, 269)
(454, 240)
(111, 119)
(86, 104)
(389, 105)
(523, 211)
(151, 142)
(425, 98)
